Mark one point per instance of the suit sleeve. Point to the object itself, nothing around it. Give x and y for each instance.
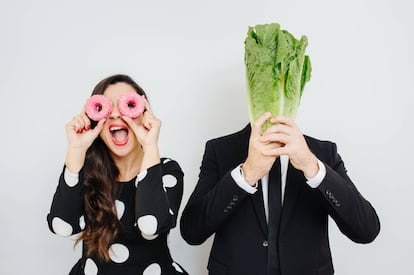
(212, 202)
(158, 197)
(354, 215)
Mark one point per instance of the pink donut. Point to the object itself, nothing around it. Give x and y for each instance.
(131, 104)
(98, 107)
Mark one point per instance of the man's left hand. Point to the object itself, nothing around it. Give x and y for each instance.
(285, 131)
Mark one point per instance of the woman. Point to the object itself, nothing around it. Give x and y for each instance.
(116, 191)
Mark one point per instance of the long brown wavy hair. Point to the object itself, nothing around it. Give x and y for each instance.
(100, 190)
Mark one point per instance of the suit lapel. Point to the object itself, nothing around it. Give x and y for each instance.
(258, 205)
(294, 180)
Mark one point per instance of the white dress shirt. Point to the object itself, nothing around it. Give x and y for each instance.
(284, 161)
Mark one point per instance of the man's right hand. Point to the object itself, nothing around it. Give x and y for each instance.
(257, 164)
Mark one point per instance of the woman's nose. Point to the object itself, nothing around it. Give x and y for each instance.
(115, 113)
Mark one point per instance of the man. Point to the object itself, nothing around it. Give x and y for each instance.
(256, 234)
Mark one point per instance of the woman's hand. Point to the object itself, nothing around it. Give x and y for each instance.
(80, 137)
(147, 133)
(148, 129)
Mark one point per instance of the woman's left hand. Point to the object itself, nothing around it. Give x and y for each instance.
(148, 129)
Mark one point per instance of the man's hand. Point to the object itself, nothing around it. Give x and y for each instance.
(258, 163)
(288, 136)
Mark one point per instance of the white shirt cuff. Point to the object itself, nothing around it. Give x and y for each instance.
(318, 178)
(238, 177)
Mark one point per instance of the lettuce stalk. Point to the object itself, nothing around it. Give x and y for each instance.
(277, 70)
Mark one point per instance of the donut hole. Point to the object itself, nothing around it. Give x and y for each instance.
(98, 107)
(131, 104)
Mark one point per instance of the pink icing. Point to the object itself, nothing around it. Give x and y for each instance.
(131, 104)
(98, 107)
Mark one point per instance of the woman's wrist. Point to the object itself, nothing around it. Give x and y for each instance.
(150, 148)
(151, 155)
(75, 158)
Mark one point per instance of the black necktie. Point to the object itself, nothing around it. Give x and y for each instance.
(275, 210)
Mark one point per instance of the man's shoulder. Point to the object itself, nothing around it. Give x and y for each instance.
(324, 149)
(240, 135)
(314, 140)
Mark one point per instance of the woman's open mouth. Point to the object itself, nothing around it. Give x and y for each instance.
(119, 134)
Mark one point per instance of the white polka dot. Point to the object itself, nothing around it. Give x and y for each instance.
(169, 181)
(177, 267)
(166, 160)
(141, 176)
(149, 237)
(147, 224)
(118, 253)
(152, 269)
(70, 178)
(82, 223)
(61, 228)
(171, 212)
(90, 267)
(120, 208)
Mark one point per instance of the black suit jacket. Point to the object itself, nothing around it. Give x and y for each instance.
(218, 205)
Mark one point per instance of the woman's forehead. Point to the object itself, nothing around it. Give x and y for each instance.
(118, 89)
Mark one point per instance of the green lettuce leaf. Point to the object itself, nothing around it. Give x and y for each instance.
(277, 70)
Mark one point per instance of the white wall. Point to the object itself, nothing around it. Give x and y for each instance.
(188, 55)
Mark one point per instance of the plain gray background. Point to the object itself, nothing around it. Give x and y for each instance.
(188, 56)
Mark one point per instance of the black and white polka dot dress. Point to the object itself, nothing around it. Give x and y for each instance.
(147, 208)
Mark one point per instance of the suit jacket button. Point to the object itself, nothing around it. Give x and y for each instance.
(265, 243)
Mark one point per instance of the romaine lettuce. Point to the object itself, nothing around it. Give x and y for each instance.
(276, 69)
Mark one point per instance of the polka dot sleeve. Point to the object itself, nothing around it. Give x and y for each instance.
(66, 213)
(158, 197)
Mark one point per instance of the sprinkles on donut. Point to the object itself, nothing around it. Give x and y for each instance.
(98, 107)
(131, 105)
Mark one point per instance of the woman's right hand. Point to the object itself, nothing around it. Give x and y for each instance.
(80, 137)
